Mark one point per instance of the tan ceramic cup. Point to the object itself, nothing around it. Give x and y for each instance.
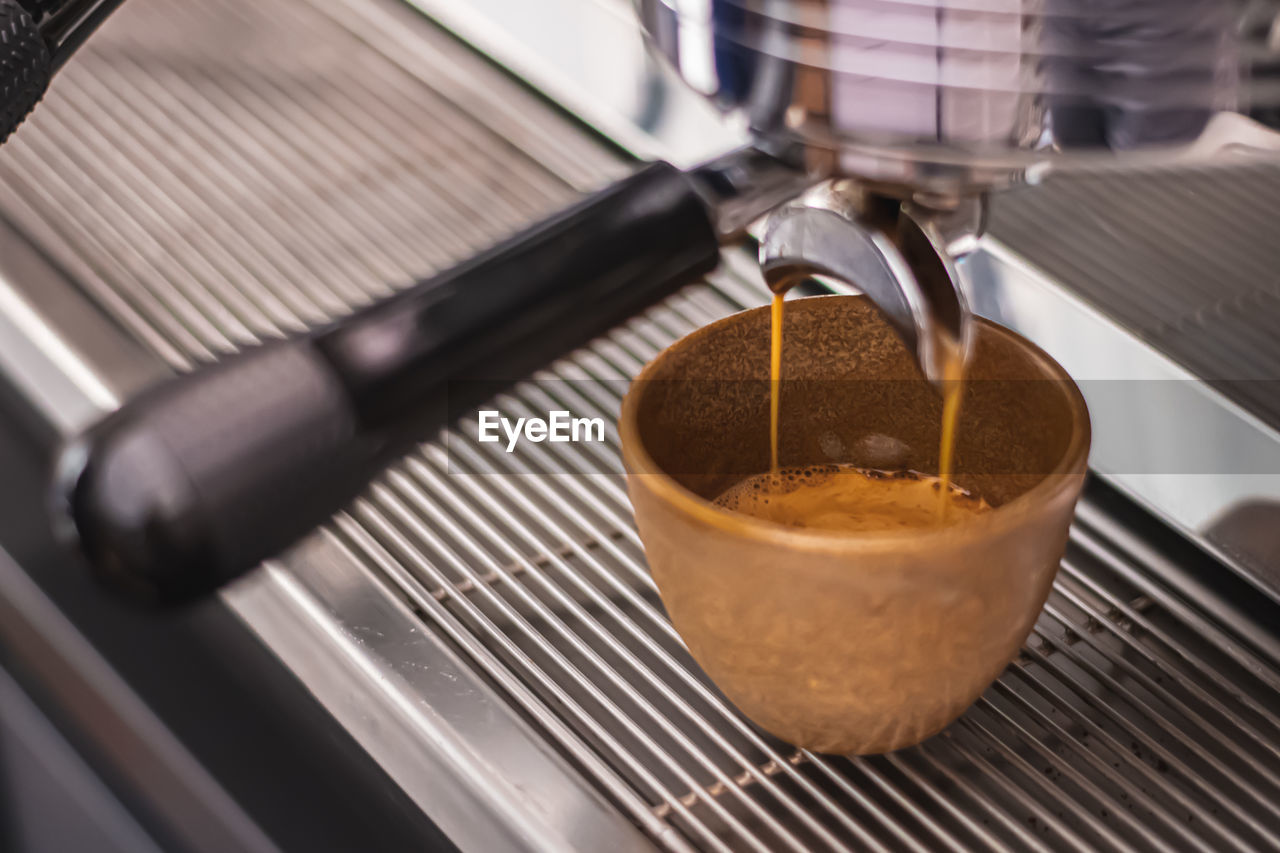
(850, 642)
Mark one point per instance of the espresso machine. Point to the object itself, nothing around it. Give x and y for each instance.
(216, 219)
(906, 115)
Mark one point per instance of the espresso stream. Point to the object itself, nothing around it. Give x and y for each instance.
(843, 497)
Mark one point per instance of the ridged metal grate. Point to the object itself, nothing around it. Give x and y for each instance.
(218, 172)
(1188, 260)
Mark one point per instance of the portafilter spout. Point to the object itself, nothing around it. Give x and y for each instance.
(902, 255)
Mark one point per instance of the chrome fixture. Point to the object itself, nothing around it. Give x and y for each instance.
(957, 96)
(927, 105)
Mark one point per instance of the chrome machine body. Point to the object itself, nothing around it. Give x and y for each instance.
(947, 97)
(936, 103)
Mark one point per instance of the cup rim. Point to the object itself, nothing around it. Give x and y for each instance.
(638, 462)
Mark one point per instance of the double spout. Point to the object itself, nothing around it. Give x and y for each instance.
(901, 255)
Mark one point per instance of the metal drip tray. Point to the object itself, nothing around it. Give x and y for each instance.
(496, 642)
(1130, 720)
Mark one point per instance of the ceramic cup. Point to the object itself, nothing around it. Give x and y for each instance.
(850, 642)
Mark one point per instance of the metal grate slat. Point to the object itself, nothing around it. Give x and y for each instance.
(1091, 729)
(1156, 686)
(1186, 734)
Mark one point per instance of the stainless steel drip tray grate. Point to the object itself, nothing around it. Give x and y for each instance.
(1121, 724)
(208, 206)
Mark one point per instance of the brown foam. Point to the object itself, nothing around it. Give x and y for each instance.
(842, 497)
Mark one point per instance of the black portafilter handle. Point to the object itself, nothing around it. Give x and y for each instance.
(202, 477)
(36, 38)
(26, 64)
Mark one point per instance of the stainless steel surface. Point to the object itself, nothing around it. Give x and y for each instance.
(609, 80)
(896, 254)
(1188, 262)
(949, 96)
(1167, 437)
(741, 186)
(455, 744)
(462, 622)
(55, 348)
(154, 764)
(181, 152)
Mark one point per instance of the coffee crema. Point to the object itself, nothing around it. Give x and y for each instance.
(945, 491)
(849, 499)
